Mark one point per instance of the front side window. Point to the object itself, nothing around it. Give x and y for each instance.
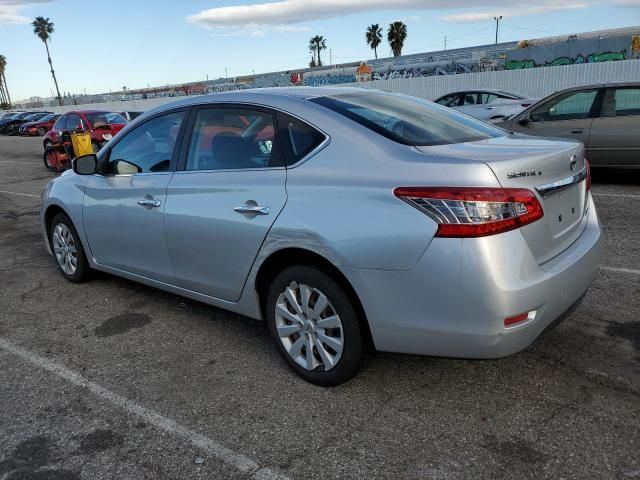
(408, 120)
(569, 106)
(148, 148)
(621, 102)
(232, 139)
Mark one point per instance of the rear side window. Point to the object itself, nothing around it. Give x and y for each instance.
(409, 120)
(298, 138)
(228, 138)
(621, 102)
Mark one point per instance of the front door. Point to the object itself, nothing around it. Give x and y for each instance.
(222, 204)
(615, 134)
(568, 115)
(124, 205)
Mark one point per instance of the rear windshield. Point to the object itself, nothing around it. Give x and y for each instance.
(409, 120)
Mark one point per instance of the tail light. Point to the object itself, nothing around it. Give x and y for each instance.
(473, 211)
(587, 182)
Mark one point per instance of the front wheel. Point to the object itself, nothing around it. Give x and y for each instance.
(315, 326)
(42, 131)
(67, 249)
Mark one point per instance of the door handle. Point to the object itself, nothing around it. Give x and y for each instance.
(149, 203)
(577, 130)
(254, 209)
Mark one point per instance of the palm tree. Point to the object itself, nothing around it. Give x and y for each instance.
(43, 28)
(374, 37)
(4, 91)
(396, 35)
(316, 44)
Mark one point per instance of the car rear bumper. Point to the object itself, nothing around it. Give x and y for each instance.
(453, 303)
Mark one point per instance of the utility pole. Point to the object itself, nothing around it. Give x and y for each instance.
(330, 57)
(497, 19)
(445, 42)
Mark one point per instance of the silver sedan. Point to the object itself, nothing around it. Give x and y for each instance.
(348, 220)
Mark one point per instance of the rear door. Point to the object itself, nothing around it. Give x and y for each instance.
(615, 134)
(567, 115)
(228, 191)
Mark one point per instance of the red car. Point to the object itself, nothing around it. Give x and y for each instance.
(102, 125)
(40, 127)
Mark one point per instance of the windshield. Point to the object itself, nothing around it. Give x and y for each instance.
(408, 120)
(98, 119)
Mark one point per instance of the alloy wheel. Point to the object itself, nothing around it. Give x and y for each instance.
(309, 327)
(64, 248)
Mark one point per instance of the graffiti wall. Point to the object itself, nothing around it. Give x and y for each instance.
(571, 53)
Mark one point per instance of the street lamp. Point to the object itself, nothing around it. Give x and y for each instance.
(497, 19)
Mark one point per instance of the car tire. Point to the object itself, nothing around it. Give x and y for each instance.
(67, 249)
(42, 131)
(341, 339)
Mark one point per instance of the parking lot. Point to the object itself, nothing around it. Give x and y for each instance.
(112, 379)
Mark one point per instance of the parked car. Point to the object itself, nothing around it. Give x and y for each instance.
(102, 125)
(12, 117)
(131, 115)
(11, 125)
(488, 105)
(346, 219)
(605, 117)
(39, 127)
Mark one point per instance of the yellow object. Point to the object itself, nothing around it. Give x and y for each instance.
(81, 143)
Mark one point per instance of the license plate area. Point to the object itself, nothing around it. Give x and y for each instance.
(564, 209)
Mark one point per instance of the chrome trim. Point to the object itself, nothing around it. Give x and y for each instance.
(551, 188)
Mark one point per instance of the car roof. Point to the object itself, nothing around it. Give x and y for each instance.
(258, 95)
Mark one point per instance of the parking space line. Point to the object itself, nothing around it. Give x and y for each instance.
(20, 194)
(236, 460)
(21, 163)
(621, 270)
(624, 195)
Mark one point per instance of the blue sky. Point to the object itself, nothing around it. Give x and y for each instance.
(113, 44)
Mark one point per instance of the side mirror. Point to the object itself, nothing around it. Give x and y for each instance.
(85, 165)
(524, 120)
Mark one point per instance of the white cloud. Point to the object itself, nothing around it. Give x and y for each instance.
(288, 12)
(10, 10)
(486, 15)
(278, 15)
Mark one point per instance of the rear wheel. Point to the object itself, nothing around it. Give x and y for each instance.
(315, 326)
(67, 249)
(42, 131)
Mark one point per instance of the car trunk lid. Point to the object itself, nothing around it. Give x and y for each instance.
(554, 170)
